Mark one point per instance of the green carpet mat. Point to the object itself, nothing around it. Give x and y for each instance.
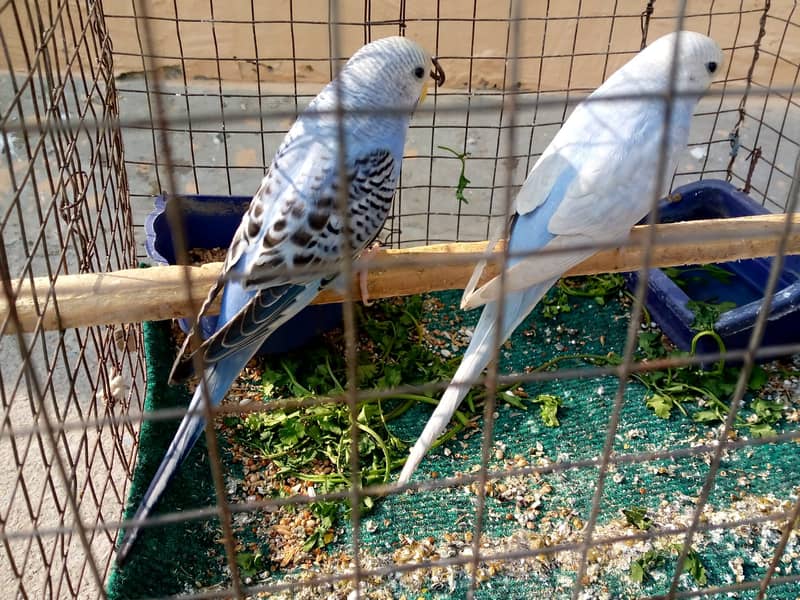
(174, 558)
(530, 512)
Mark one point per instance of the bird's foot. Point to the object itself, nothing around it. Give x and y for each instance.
(362, 275)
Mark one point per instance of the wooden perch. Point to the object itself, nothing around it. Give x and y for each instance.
(159, 293)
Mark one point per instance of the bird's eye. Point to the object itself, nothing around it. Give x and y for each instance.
(419, 72)
(711, 66)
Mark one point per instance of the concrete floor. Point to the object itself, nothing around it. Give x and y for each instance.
(207, 161)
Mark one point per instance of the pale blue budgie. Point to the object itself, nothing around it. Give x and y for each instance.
(593, 183)
(292, 226)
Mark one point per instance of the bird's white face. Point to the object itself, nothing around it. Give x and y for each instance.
(703, 65)
(700, 59)
(393, 71)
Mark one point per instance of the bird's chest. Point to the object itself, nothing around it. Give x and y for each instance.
(652, 165)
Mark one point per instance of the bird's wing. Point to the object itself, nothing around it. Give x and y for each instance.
(586, 189)
(303, 232)
(286, 245)
(618, 170)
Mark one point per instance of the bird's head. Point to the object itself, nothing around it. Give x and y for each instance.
(699, 60)
(390, 72)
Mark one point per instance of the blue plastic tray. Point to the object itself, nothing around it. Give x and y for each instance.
(667, 303)
(210, 222)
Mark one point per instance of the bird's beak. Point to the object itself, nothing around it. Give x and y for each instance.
(424, 93)
(438, 76)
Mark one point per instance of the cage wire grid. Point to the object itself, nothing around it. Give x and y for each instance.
(64, 210)
(80, 93)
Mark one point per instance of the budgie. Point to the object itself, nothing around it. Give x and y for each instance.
(289, 243)
(593, 183)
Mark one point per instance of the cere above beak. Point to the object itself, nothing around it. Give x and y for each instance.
(438, 72)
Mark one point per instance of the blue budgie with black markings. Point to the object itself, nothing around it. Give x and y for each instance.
(592, 184)
(289, 244)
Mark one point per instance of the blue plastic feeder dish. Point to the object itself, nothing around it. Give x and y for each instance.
(743, 284)
(210, 222)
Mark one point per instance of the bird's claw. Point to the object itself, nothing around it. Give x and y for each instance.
(362, 275)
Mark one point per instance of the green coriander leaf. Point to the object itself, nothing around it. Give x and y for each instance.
(509, 398)
(650, 345)
(758, 377)
(707, 313)
(463, 182)
(365, 373)
(760, 430)
(694, 566)
(638, 573)
(637, 516)
(640, 568)
(768, 411)
(548, 409)
(661, 405)
(706, 416)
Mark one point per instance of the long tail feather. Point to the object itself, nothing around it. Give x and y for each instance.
(253, 319)
(218, 379)
(517, 307)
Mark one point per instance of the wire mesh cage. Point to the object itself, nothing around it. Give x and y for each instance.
(65, 210)
(595, 459)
